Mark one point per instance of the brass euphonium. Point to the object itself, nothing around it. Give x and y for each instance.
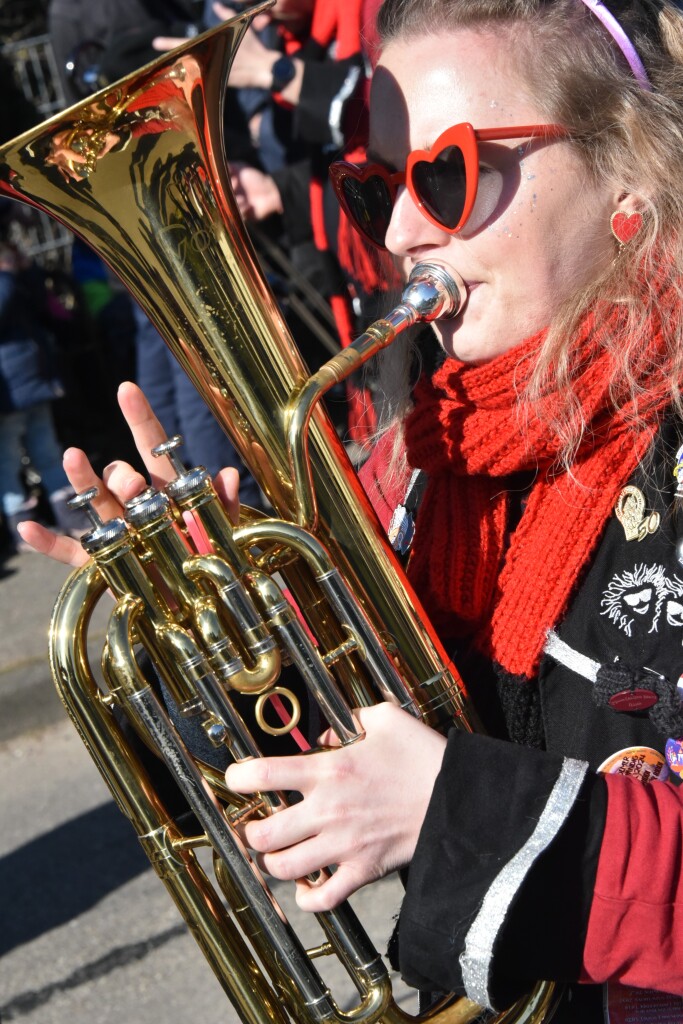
(138, 172)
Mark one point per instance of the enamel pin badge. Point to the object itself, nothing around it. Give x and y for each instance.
(630, 511)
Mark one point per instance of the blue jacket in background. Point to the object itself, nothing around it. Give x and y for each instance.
(27, 367)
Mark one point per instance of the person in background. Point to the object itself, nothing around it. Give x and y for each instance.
(313, 76)
(29, 384)
(182, 410)
(280, 30)
(95, 44)
(324, 86)
(113, 42)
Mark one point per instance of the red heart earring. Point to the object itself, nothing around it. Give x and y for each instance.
(625, 227)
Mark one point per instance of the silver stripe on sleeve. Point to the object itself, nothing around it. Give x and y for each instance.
(571, 659)
(477, 955)
(337, 105)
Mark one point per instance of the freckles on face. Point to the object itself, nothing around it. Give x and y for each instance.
(525, 197)
(539, 229)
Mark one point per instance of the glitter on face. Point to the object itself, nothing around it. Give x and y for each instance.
(503, 230)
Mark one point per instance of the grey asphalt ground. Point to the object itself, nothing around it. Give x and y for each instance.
(89, 935)
(29, 585)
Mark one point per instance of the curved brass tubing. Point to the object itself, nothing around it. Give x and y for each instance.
(135, 792)
(264, 655)
(138, 171)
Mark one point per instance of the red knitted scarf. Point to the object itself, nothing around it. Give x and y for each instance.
(466, 433)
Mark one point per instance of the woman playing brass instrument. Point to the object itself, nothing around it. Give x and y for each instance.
(535, 148)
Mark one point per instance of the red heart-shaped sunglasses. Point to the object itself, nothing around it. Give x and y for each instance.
(442, 181)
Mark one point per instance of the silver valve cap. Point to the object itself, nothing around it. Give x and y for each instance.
(187, 481)
(147, 506)
(103, 532)
(169, 448)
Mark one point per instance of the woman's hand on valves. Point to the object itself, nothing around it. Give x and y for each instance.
(362, 810)
(120, 481)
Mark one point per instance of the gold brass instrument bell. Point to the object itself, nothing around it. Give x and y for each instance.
(138, 172)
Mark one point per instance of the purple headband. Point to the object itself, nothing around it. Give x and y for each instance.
(622, 40)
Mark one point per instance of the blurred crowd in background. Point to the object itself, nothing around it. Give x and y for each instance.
(69, 334)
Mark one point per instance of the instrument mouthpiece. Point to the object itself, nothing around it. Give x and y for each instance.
(434, 293)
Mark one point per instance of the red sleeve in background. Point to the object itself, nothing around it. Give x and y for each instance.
(635, 929)
(385, 492)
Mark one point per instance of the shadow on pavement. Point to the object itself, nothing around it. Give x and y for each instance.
(63, 873)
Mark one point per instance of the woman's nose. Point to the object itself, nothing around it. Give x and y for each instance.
(409, 229)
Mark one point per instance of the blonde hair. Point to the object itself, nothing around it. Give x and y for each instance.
(630, 140)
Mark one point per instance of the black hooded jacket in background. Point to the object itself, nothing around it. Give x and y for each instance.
(123, 28)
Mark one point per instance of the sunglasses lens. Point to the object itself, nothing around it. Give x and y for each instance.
(440, 185)
(369, 205)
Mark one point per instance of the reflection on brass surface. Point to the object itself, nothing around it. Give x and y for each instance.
(138, 172)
